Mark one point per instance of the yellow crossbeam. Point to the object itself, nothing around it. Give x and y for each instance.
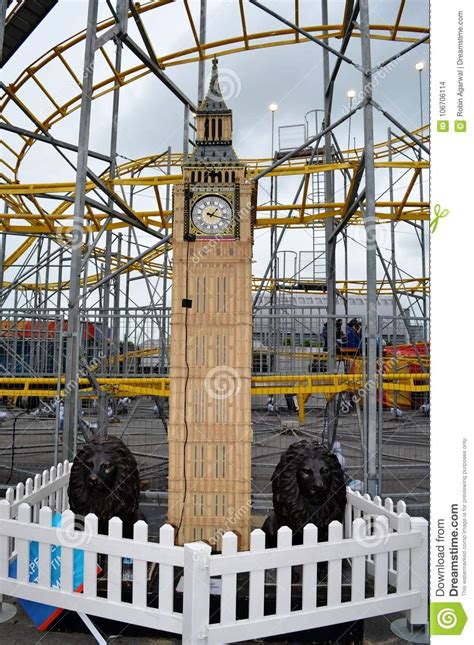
(261, 385)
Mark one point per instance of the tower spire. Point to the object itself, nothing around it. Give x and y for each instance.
(213, 126)
(214, 101)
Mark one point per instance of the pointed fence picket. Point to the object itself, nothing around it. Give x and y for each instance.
(140, 567)
(115, 548)
(229, 581)
(378, 541)
(359, 528)
(166, 572)
(310, 570)
(91, 529)
(47, 489)
(257, 578)
(283, 579)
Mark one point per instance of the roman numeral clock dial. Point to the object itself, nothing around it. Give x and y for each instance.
(212, 215)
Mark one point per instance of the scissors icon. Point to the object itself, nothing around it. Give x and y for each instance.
(438, 214)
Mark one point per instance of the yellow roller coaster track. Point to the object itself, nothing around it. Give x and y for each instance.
(28, 216)
(303, 386)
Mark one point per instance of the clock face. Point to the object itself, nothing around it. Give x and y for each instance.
(212, 215)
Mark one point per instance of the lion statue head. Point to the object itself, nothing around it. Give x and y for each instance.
(308, 487)
(104, 480)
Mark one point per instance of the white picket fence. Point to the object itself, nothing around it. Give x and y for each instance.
(378, 541)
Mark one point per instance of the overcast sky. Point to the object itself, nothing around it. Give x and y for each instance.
(291, 76)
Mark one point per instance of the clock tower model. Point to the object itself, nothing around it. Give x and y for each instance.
(210, 428)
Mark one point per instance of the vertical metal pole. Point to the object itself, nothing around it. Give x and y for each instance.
(422, 223)
(369, 222)
(272, 213)
(202, 40)
(421, 98)
(74, 322)
(57, 422)
(392, 236)
(46, 277)
(277, 297)
(380, 408)
(38, 274)
(60, 279)
(164, 299)
(3, 243)
(350, 119)
(2, 260)
(186, 133)
(393, 264)
(273, 262)
(116, 312)
(102, 402)
(330, 245)
(346, 271)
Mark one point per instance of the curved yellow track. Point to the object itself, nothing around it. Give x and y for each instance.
(28, 217)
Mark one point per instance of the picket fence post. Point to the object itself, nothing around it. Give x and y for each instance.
(4, 540)
(419, 572)
(197, 559)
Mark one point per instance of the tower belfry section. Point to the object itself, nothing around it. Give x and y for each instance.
(210, 429)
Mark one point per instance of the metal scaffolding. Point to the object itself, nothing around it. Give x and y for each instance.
(70, 248)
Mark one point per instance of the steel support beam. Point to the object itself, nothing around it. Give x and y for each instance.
(130, 215)
(401, 53)
(103, 399)
(186, 116)
(353, 200)
(71, 402)
(284, 228)
(143, 33)
(309, 142)
(348, 29)
(202, 41)
(348, 216)
(3, 240)
(330, 241)
(49, 139)
(128, 264)
(397, 124)
(157, 71)
(306, 34)
(393, 225)
(371, 453)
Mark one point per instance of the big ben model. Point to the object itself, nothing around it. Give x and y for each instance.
(210, 429)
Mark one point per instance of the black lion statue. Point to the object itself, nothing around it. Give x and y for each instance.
(308, 487)
(104, 480)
